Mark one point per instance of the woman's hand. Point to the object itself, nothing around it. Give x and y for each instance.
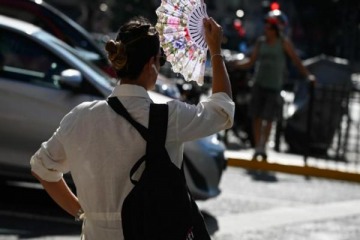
(213, 38)
(213, 35)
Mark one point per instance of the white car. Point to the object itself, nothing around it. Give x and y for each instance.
(42, 78)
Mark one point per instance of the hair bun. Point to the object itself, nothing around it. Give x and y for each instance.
(116, 54)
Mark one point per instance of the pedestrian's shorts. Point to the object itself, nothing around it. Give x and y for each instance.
(265, 103)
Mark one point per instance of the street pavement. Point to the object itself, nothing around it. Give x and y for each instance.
(267, 204)
(284, 207)
(253, 205)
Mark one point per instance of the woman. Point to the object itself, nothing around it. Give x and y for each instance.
(99, 148)
(269, 55)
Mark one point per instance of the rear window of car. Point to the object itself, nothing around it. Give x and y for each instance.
(50, 22)
(24, 60)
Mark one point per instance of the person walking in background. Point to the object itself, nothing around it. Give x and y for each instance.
(269, 57)
(99, 147)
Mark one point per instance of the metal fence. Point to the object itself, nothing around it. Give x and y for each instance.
(325, 128)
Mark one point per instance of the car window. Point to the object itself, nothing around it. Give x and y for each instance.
(104, 77)
(25, 60)
(52, 23)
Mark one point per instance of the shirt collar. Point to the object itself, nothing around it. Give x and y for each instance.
(130, 90)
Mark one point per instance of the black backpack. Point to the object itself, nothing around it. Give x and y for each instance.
(160, 206)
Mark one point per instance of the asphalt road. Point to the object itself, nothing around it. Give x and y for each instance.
(27, 212)
(253, 205)
(260, 205)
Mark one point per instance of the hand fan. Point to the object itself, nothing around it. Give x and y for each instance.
(180, 25)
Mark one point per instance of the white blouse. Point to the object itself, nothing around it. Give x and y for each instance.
(99, 148)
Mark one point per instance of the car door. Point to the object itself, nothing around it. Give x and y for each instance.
(32, 102)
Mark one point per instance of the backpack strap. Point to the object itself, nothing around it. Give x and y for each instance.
(155, 135)
(117, 106)
(158, 124)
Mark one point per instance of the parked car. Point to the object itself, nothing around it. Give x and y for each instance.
(61, 26)
(42, 78)
(58, 24)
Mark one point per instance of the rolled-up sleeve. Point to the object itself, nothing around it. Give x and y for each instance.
(210, 116)
(49, 162)
(224, 106)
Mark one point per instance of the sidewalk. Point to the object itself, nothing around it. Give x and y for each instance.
(294, 164)
(286, 207)
(288, 216)
(283, 206)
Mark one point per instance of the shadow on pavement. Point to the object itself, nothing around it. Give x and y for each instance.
(33, 228)
(262, 175)
(30, 213)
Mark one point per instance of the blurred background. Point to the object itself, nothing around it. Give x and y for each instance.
(316, 27)
(325, 34)
(34, 68)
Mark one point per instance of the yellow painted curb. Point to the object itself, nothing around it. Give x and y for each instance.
(300, 170)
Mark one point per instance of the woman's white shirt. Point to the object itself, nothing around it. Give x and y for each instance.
(99, 147)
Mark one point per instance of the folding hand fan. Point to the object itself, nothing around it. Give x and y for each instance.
(180, 25)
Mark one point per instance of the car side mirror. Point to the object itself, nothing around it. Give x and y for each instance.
(70, 79)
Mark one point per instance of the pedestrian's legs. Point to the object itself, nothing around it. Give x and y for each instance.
(259, 138)
(266, 131)
(262, 130)
(257, 124)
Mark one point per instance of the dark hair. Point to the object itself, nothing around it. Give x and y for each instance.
(137, 41)
(278, 21)
(274, 27)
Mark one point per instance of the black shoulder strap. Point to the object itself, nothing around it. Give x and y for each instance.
(158, 123)
(117, 106)
(158, 120)
(155, 135)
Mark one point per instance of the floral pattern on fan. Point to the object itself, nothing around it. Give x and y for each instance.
(181, 36)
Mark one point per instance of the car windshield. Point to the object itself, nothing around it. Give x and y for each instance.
(80, 57)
